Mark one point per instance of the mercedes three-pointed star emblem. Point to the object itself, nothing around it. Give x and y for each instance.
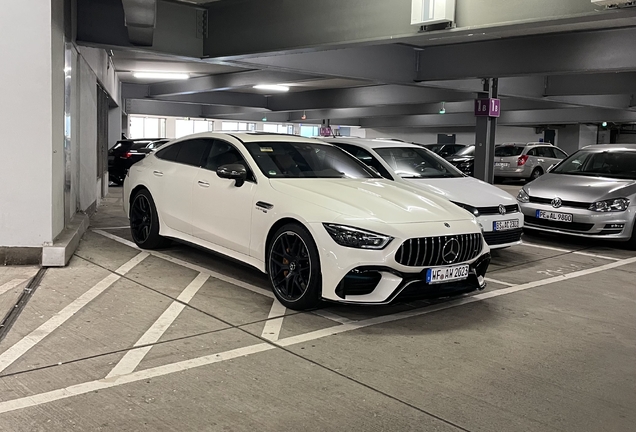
(451, 250)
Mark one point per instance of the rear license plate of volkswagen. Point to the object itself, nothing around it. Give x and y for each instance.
(505, 225)
(437, 275)
(555, 216)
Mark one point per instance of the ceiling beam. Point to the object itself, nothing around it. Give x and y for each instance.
(220, 98)
(371, 96)
(225, 82)
(591, 84)
(509, 118)
(566, 53)
(381, 63)
(141, 19)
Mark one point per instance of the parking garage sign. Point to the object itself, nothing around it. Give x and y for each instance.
(487, 107)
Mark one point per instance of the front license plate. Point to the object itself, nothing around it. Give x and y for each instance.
(554, 216)
(502, 164)
(505, 225)
(447, 274)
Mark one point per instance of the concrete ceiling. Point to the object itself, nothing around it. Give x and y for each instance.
(374, 70)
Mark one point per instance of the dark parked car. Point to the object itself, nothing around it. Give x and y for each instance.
(127, 152)
(464, 160)
(445, 150)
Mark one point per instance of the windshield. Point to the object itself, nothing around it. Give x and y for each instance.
(507, 151)
(620, 164)
(466, 151)
(306, 160)
(410, 162)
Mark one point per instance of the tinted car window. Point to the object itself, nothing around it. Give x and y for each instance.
(546, 152)
(560, 154)
(191, 152)
(532, 152)
(367, 158)
(169, 153)
(223, 153)
(507, 151)
(306, 160)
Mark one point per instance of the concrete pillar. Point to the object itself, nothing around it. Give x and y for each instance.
(32, 117)
(575, 137)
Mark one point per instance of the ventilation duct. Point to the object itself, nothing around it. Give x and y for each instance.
(141, 18)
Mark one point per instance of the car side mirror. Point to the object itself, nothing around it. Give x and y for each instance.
(233, 172)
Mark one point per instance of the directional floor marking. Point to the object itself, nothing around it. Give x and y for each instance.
(131, 360)
(29, 341)
(91, 386)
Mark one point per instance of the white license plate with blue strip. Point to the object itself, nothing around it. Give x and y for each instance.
(437, 275)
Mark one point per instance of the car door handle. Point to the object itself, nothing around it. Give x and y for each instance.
(204, 184)
(541, 160)
(158, 173)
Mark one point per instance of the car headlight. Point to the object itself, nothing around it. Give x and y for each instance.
(523, 196)
(471, 209)
(611, 205)
(357, 238)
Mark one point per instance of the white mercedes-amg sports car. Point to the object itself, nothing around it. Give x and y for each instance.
(319, 222)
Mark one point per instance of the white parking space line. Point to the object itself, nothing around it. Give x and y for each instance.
(91, 386)
(10, 285)
(499, 282)
(333, 317)
(29, 341)
(191, 266)
(274, 322)
(115, 228)
(593, 255)
(131, 360)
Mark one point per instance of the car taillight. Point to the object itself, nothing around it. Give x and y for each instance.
(127, 155)
(522, 160)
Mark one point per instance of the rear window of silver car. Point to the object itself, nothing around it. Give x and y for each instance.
(507, 151)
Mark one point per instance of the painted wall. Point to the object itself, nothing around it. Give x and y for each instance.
(26, 159)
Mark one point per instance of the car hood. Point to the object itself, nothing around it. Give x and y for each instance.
(580, 188)
(374, 199)
(465, 190)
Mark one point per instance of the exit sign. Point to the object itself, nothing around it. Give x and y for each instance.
(488, 107)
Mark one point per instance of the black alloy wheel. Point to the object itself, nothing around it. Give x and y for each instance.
(144, 222)
(294, 268)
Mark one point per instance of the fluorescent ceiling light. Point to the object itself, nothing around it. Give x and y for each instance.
(162, 75)
(272, 87)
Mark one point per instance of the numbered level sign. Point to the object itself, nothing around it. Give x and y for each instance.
(488, 107)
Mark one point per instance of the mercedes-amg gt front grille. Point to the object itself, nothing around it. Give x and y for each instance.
(439, 251)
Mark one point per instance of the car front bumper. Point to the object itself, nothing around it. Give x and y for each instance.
(501, 239)
(364, 276)
(585, 223)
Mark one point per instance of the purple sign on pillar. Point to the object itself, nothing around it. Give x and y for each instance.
(488, 107)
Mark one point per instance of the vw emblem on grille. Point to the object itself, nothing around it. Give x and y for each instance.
(446, 224)
(451, 250)
(557, 202)
(502, 209)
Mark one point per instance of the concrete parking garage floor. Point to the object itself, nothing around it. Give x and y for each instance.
(183, 340)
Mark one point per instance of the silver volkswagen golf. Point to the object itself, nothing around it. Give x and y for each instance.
(590, 194)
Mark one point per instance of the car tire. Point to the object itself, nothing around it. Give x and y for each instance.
(536, 173)
(144, 222)
(293, 266)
